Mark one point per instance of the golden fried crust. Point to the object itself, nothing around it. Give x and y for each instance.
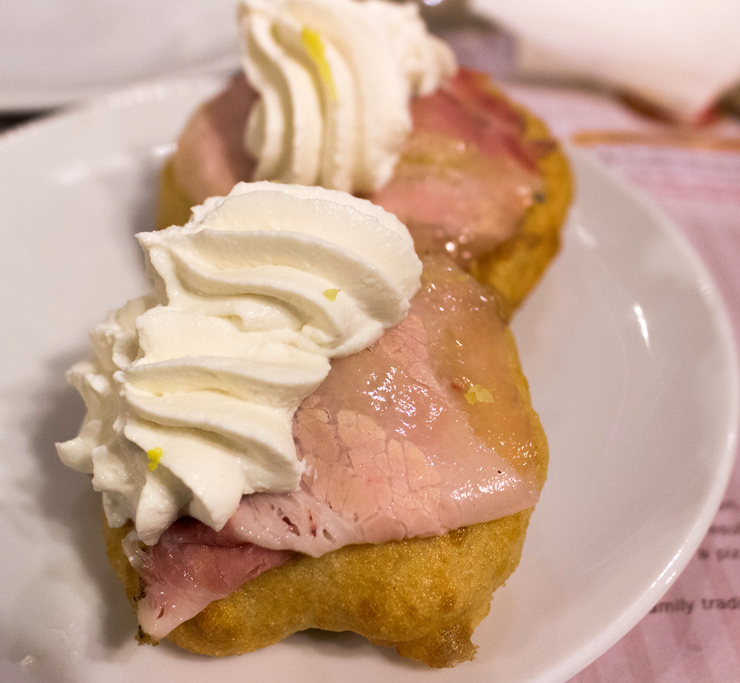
(173, 204)
(515, 265)
(425, 596)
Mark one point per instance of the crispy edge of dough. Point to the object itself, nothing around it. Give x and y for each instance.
(424, 596)
(173, 204)
(514, 266)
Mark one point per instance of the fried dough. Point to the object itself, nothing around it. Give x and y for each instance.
(423, 596)
(514, 267)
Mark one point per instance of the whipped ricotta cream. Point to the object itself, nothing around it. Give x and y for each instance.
(192, 390)
(335, 79)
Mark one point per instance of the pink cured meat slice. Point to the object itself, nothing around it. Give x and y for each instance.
(186, 571)
(467, 174)
(390, 454)
(211, 157)
(468, 111)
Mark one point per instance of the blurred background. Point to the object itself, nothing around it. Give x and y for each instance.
(676, 59)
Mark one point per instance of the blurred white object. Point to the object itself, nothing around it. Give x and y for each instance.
(678, 54)
(53, 52)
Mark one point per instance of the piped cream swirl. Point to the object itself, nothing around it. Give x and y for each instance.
(191, 393)
(335, 78)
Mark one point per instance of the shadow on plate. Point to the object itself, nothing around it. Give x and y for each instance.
(65, 496)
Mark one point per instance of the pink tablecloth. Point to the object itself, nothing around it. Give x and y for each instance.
(693, 634)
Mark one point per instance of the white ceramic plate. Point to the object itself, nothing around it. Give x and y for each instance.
(625, 343)
(53, 53)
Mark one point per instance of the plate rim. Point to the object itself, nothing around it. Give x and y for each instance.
(714, 302)
(151, 91)
(20, 102)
